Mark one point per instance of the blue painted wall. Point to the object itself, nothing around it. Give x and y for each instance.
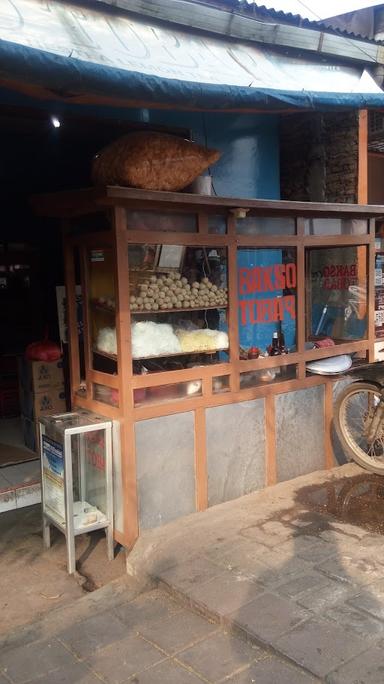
(249, 143)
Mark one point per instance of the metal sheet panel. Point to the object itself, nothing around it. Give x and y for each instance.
(300, 432)
(130, 43)
(165, 468)
(235, 450)
(82, 50)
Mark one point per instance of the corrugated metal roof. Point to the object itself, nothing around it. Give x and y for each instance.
(256, 11)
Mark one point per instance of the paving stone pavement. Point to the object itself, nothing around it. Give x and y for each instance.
(142, 640)
(266, 589)
(300, 580)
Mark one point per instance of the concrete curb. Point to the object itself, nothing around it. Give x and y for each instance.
(229, 625)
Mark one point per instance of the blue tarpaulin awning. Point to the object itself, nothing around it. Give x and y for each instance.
(83, 55)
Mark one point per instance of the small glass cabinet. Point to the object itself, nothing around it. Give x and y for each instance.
(76, 471)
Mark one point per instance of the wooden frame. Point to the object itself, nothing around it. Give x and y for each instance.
(125, 382)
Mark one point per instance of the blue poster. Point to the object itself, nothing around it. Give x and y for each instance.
(267, 297)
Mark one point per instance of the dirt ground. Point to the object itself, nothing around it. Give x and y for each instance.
(34, 581)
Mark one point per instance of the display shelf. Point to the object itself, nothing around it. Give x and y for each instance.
(106, 355)
(113, 357)
(185, 353)
(164, 311)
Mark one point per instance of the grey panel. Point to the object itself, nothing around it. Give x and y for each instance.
(165, 468)
(235, 450)
(300, 432)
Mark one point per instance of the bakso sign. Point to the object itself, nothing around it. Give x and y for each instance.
(277, 278)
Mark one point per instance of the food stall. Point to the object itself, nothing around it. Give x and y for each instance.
(201, 315)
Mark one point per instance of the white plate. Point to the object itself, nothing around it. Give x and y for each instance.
(331, 366)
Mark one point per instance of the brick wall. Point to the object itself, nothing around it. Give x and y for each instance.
(319, 157)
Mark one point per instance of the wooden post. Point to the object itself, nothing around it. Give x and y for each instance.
(302, 307)
(233, 321)
(362, 164)
(124, 368)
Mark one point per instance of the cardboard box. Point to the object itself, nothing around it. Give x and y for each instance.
(30, 433)
(37, 376)
(51, 401)
(42, 403)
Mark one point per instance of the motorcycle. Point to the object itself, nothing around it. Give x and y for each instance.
(359, 419)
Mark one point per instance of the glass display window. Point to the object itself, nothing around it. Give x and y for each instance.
(266, 225)
(335, 226)
(217, 224)
(336, 291)
(265, 376)
(106, 395)
(102, 309)
(267, 290)
(161, 394)
(178, 302)
(221, 383)
(175, 222)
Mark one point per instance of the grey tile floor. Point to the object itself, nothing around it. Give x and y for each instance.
(149, 639)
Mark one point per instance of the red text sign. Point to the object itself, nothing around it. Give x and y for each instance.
(267, 279)
(339, 276)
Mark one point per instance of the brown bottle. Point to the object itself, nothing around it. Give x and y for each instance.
(274, 349)
(281, 339)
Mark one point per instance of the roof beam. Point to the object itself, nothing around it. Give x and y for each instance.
(193, 15)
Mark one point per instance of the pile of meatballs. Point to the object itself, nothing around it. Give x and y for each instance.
(172, 291)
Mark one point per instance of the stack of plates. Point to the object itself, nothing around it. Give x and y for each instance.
(331, 366)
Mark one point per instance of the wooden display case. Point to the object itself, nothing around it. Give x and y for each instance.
(264, 252)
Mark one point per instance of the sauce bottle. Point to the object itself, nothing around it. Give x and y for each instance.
(274, 349)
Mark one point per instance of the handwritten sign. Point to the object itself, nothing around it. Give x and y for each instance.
(339, 276)
(275, 278)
